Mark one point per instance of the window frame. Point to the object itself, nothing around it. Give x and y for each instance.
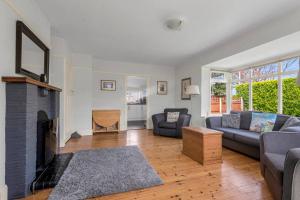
(227, 77)
(278, 74)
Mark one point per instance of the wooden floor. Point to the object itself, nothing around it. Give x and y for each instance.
(238, 178)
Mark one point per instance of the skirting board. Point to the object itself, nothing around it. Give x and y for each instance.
(3, 192)
(85, 132)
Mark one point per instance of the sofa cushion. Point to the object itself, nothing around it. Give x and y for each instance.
(275, 164)
(290, 122)
(170, 125)
(227, 132)
(172, 117)
(247, 137)
(280, 120)
(262, 122)
(180, 110)
(168, 132)
(295, 129)
(246, 118)
(231, 121)
(231, 132)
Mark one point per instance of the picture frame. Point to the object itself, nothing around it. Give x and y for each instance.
(184, 84)
(162, 87)
(26, 41)
(108, 85)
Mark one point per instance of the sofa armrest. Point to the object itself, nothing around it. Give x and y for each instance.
(291, 177)
(214, 122)
(183, 120)
(156, 119)
(279, 142)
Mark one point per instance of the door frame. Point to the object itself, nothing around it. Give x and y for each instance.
(148, 90)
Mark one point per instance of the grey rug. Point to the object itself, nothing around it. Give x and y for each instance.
(101, 172)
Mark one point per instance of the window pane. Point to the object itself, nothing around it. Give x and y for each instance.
(240, 92)
(265, 95)
(236, 101)
(236, 76)
(291, 95)
(217, 77)
(290, 65)
(218, 98)
(265, 72)
(245, 74)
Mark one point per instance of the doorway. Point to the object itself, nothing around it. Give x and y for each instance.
(136, 99)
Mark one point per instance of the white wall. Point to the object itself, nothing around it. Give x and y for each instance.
(81, 120)
(119, 71)
(28, 12)
(60, 76)
(194, 105)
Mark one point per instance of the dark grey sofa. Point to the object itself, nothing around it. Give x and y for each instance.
(280, 163)
(164, 128)
(242, 140)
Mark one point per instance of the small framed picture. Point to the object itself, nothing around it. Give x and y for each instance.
(108, 85)
(184, 84)
(162, 87)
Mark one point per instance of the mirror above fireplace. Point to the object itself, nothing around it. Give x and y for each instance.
(32, 55)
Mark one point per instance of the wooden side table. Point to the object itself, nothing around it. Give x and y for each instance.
(202, 144)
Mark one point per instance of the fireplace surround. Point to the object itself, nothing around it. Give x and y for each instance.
(24, 100)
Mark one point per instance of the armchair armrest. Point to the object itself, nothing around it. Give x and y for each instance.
(213, 122)
(279, 142)
(291, 177)
(156, 119)
(183, 120)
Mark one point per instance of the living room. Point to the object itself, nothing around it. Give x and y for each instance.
(215, 72)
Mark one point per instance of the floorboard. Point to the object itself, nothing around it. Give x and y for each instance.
(238, 177)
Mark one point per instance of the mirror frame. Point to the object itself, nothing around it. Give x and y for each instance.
(21, 28)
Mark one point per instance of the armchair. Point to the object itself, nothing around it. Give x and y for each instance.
(164, 128)
(280, 164)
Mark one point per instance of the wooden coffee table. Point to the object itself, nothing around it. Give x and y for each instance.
(202, 144)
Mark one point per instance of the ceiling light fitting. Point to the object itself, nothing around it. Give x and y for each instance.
(174, 24)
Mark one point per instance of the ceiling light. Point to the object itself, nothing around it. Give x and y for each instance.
(174, 24)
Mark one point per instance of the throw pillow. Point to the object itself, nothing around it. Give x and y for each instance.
(231, 121)
(262, 122)
(292, 121)
(172, 116)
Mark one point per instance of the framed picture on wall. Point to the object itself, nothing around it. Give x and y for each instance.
(184, 84)
(162, 87)
(108, 85)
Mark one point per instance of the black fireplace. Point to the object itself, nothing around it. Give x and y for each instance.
(49, 164)
(46, 141)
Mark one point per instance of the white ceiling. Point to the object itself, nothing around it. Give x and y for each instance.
(133, 30)
(272, 51)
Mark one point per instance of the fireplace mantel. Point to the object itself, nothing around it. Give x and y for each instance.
(17, 79)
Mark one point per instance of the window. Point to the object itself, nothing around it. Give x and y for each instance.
(240, 90)
(268, 88)
(240, 96)
(290, 91)
(265, 88)
(218, 93)
(264, 94)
